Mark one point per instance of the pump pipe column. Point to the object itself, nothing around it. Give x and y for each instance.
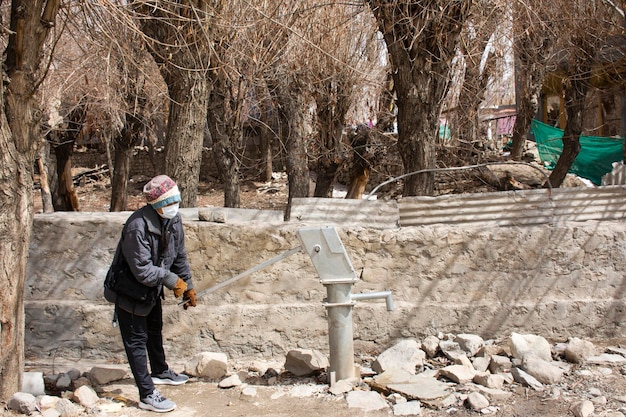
(340, 340)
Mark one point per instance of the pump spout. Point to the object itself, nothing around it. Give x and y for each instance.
(373, 295)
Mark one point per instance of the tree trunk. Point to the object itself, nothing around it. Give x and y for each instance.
(121, 173)
(416, 144)
(46, 195)
(66, 198)
(20, 137)
(360, 172)
(224, 122)
(189, 92)
(292, 113)
(528, 79)
(15, 228)
(265, 145)
(183, 53)
(422, 46)
(267, 120)
(575, 88)
(471, 96)
(124, 145)
(332, 106)
(386, 107)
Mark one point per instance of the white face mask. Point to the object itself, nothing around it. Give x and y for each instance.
(169, 212)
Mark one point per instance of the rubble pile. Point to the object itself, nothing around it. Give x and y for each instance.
(447, 373)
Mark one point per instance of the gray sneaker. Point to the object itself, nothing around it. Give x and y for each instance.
(157, 402)
(169, 377)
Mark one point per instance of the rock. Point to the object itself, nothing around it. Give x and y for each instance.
(85, 396)
(430, 345)
(458, 373)
(426, 389)
(525, 379)
(616, 350)
(51, 412)
(490, 350)
(101, 375)
(409, 408)
(229, 382)
(302, 362)
(464, 360)
(606, 359)
(74, 374)
(67, 408)
(476, 401)
(366, 400)
(33, 383)
(494, 394)
(528, 344)
(64, 382)
(211, 365)
(489, 380)
(47, 401)
(582, 408)
(451, 349)
(405, 354)
(500, 364)
(395, 398)
(77, 383)
(469, 343)
(481, 363)
(578, 350)
(249, 392)
(341, 387)
(543, 371)
(417, 387)
(22, 402)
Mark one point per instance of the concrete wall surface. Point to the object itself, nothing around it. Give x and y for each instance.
(553, 280)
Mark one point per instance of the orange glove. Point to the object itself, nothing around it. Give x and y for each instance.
(179, 288)
(190, 296)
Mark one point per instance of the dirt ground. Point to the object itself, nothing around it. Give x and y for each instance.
(290, 396)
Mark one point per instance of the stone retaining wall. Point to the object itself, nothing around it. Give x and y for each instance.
(556, 281)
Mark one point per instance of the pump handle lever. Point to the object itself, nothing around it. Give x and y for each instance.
(247, 272)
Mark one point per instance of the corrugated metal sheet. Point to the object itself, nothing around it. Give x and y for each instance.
(339, 211)
(514, 208)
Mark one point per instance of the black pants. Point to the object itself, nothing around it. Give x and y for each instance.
(142, 334)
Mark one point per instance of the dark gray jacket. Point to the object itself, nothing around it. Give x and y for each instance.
(155, 252)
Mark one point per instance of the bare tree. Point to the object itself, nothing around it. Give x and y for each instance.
(476, 47)
(132, 87)
(345, 62)
(422, 39)
(20, 139)
(178, 36)
(239, 38)
(585, 29)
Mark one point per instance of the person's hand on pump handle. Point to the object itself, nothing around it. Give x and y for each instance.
(190, 296)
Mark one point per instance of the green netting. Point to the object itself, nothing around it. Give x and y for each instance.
(596, 153)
